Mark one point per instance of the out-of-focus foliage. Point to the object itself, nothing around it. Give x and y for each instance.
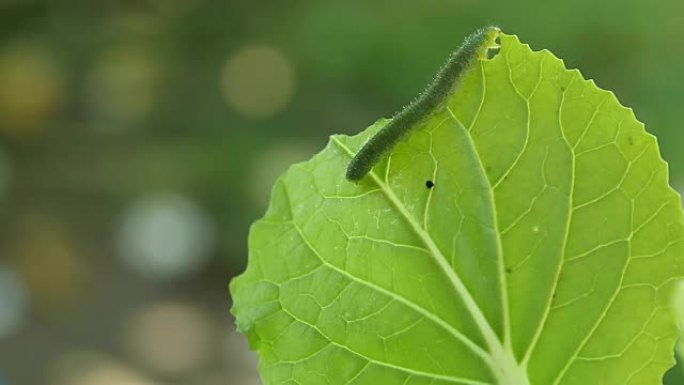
(130, 128)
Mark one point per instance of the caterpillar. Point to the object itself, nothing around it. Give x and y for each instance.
(476, 46)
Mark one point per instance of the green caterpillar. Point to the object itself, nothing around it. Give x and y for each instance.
(474, 48)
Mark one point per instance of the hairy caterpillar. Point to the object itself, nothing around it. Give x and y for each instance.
(476, 46)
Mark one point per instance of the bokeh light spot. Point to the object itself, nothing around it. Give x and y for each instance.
(50, 262)
(258, 81)
(165, 237)
(170, 338)
(84, 367)
(122, 88)
(31, 88)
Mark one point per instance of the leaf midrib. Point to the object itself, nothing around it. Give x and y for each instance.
(433, 317)
(471, 305)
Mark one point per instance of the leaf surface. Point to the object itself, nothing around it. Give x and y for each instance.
(545, 252)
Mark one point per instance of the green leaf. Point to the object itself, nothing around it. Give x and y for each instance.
(545, 253)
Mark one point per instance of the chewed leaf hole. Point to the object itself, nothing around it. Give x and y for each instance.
(492, 52)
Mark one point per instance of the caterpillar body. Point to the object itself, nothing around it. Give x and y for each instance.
(475, 47)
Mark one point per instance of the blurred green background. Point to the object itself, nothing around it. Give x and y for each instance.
(140, 138)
